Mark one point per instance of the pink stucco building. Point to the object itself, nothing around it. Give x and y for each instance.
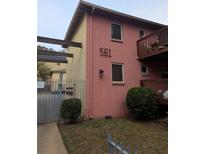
(118, 52)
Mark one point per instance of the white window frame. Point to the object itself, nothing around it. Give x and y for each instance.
(139, 33)
(147, 70)
(113, 39)
(123, 77)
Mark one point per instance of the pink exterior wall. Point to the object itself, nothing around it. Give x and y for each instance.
(102, 97)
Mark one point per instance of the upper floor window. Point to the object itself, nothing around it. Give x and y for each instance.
(141, 33)
(116, 31)
(117, 73)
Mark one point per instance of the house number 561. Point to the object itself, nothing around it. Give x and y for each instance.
(105, 52)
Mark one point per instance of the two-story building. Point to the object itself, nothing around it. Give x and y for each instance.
(118, 52)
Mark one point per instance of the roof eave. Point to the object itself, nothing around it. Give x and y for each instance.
(72, 21)
(85, 6)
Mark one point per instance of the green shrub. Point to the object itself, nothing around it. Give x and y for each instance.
(71, 109)
(141, 103)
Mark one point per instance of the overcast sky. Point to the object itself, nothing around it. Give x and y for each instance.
(54, 16)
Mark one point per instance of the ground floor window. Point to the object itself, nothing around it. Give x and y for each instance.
(144, 69)
(117, 73)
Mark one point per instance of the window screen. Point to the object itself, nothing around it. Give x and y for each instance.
(116, 31)
(143, 69)
(117, 72)
(141, 33)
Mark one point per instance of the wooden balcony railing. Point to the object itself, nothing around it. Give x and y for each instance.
(153, 44)
(155, 84)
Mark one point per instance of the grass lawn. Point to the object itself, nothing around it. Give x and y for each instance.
(89, 136)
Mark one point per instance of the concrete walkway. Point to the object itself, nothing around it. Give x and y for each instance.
(49, 140)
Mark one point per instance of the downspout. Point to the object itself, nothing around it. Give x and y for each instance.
(92, 66)
(89, 69)
(92, 62)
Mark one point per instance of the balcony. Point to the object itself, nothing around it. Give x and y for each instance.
(153, 44)
(156, 85)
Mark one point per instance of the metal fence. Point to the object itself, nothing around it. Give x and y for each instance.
(50, 95)
(115, 147)
(155, 84)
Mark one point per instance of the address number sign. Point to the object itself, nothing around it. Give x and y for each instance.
(105, 52)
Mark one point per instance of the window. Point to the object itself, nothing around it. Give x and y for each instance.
(116, 31)
(61, 77)
(117, 73)
(164, 72)
(144, 69)
(141, 33)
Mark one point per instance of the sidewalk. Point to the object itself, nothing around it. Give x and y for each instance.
(49, 140)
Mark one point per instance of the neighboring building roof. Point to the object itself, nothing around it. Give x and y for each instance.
(45, 55)
(49, 58)
(95, 9)
(59, 71)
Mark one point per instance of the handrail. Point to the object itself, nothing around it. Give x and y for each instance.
(157, 31)
(153, 44)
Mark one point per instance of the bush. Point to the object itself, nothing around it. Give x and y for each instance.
(71, 109)
(141, 103)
